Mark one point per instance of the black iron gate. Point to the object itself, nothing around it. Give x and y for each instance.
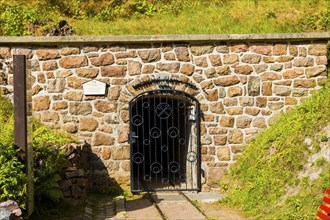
(165, 141)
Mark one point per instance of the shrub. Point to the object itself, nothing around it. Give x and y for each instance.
(48, 162)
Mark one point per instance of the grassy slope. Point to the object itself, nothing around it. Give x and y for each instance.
(145, 17)
(271, 163)
(233, 17)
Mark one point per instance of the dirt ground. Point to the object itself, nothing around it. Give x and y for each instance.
(217, 212)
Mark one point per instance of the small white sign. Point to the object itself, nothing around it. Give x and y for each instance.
(94, 87)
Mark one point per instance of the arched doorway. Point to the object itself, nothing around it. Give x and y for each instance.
(165, 141)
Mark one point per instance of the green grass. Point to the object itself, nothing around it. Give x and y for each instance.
(151, 17)
(271, 163)
(235, 17)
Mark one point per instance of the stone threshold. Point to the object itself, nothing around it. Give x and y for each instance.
(42, 40)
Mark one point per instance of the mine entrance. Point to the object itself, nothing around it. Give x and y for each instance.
(165, 141)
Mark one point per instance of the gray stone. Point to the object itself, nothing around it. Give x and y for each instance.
(254, 85)
(5, 214)
(56, 85)
(75, 173)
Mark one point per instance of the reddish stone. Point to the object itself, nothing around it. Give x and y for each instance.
(87, 73)
(243, 122)
(64, 73)
(169, 56)
(134, 68)
(302, 51)
(212, 95)
(217, 108)
(80, 108)
(182, 54)
(75, 82)
(87, 124)
(223, 153)
(41, 103)
(224, 70)
(113, 71)
(73, 95)
(293, 50)
(49, 66)
(201, 61)
(275, 105)
(70, 50)
(187, 69)
(103, 60)
(304, 83)
(124, 55)
(234, 91)
(226, 121)
(317, 49)
(284, 59)
(261, 102)
(243, 69)
(210, 73)
(102, 139)
(235, 111)
(321, 60)
(122, 132)
(246, 101)
(235, 136)
(261, 49)
(280, 49)
(149, 56)
(237, 48)
(47, 54)
(41, 78)
(148, 69)
(252, 111)
(230, 102)
(73, 62)
(106, 153)
(230, 58)
(105, 106)
(269, 59)
(226, 81)
(48, 116)
(168, 67)
(294, 73)
(259, 122)
(270, 76)
(215, 60)
(217, 131)
(316, 71)
(60, 105)
(290, 101)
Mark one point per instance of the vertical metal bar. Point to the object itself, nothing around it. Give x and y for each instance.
(199, 168)
(142, 138)
(22, 113)
(131, 144)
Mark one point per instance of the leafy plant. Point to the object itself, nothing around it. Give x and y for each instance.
(48, 162)
(271, 162)
(320, 161)
(12, 177)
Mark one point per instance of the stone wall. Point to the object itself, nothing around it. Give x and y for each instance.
(243, 81)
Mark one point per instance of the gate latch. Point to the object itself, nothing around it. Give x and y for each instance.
(131, 137)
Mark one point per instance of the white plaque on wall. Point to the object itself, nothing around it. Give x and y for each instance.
(94, 87)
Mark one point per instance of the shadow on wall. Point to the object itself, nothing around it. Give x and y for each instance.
(99, 178)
